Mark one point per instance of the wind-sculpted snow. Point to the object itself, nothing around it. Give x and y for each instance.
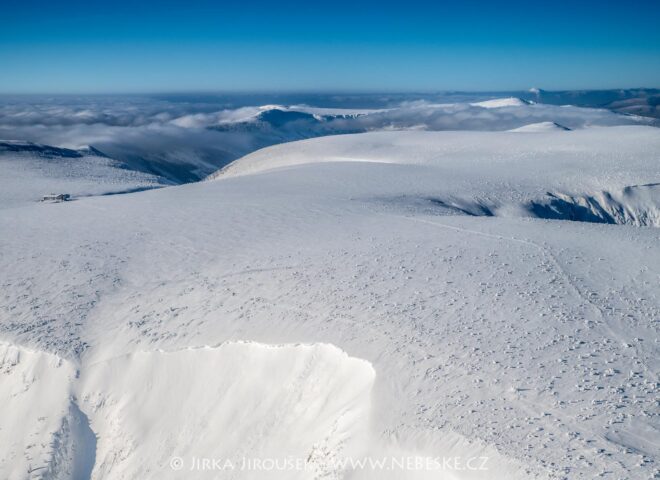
(634, 205)
(593, 175)
(479, 330)
(34, 394)
(186, 141)
(137, 415)
(160, 414)
(540, 127)
(242, 409)
(501, 102)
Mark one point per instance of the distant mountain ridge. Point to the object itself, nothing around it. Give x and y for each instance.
(15, 146)
(19, 146)
(635, 101)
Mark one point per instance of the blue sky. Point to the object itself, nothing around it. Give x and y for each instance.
(167, 45)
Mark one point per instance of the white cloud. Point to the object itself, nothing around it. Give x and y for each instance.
(174, 138)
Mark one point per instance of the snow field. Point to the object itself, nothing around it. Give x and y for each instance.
(530, 341)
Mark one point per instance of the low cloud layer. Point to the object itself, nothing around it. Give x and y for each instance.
(185, 141)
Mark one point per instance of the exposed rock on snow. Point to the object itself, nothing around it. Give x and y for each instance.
(531, 166)
(637, 205)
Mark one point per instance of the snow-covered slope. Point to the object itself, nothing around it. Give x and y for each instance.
(232, 402)
(29, 171)
(540, 127)
(556, 174)
(42, 434)
(501, 102)
(404, 302)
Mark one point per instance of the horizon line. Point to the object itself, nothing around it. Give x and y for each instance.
(316, 92)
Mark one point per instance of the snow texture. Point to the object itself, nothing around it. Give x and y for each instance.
(444, 294)
(183, 142)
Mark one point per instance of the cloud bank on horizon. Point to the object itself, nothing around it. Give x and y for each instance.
(185, 141)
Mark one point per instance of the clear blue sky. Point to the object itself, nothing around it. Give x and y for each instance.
(61, 46)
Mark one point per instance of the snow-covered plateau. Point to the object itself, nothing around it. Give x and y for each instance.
(396, 304)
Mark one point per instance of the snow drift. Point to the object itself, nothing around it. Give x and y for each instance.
(637, 205)
(519, 339)
(145, 411)
(558, 174)
(41, 434)
(235, 402)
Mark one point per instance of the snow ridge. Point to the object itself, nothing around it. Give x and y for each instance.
(502, 102)
(237, 400)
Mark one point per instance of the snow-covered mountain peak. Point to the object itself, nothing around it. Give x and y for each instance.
(92, 151)
(502, 102)
(541, 127)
